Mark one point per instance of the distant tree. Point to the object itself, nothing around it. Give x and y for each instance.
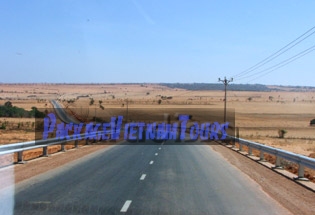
(3, 126)
(271, 98)
(159, 101)
(8, 104)
(249, 99)
(282, 132)
(100, 102)
(91, 101)
(36, 113)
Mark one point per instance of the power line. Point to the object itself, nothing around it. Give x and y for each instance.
(286, 62)
(277, 53)
(282, 63)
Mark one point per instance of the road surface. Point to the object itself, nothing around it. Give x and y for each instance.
(62, 114)
(144, 179)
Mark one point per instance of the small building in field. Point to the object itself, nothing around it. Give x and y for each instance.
(312, 122)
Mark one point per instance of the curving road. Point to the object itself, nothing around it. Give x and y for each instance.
(145, 179)
(63, 116)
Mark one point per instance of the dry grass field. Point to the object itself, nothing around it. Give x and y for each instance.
(258, 115)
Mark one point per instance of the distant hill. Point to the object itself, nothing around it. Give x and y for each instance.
(237, 87)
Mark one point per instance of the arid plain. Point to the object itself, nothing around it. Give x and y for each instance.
(258, 115)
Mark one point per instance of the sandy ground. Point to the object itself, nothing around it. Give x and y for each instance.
(258, 118)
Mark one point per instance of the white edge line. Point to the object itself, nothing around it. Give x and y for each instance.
(125, 206)
(156, 154)
(151, 162)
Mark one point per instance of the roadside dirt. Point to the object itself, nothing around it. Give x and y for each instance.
(44, 164)
(289, 194)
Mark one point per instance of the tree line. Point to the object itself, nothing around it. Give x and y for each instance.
(8, 110)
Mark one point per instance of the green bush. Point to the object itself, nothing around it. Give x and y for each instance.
(3, 126)
(282, 132)
(8, 110)
(91, 101)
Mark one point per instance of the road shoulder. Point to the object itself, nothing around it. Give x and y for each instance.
(289, 194)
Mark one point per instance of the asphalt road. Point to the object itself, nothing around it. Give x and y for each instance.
(62, 114)
(144, 179)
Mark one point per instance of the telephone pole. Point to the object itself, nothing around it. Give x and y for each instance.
(127, 111)
(225, 82)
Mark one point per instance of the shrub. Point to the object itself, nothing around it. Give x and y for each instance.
(282, 132)
(91, 101)
(8, 104)
(3, 126)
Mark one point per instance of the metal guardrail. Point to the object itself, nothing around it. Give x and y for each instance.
(36, 144)
(301, 160)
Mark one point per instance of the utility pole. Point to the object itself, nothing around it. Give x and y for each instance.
(94, 113)
(225, 82)
(127, 111)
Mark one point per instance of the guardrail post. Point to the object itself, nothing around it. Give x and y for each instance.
(261, 156)
(241, 147)
(76, 142)
(301, 173)
(45, 151)
(20, 158)
(278, 163)
(63, 147)
(237, 138)
(250, 151)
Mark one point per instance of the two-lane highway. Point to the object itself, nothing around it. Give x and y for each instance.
(145, 179)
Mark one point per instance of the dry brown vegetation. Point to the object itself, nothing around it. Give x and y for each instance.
(258, 118)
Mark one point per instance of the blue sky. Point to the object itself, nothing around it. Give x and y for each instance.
(152, 40)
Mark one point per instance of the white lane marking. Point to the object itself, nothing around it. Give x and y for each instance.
(126, 206)
(143, 176)
(40, 202)
(160, 148)
(156, 154)
(151, 162)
